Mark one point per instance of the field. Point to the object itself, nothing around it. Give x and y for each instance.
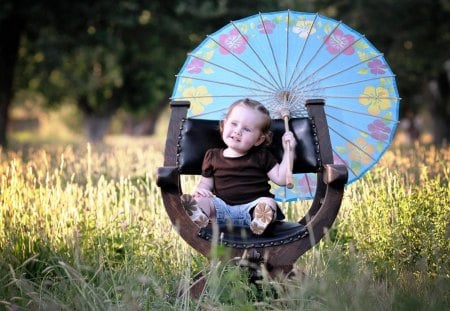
(83, 227)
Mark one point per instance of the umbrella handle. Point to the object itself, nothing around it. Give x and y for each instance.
(289, 182)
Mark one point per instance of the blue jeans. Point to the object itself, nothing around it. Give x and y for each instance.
(236, 215)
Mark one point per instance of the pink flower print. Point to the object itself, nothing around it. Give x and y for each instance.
(338, 42)
(266, 27)
(307, 185)
(195, 66)
(232, 42)
(377, 67)
(338, 160)
(379, 130)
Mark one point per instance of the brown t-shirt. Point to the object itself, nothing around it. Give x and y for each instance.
(239, 180)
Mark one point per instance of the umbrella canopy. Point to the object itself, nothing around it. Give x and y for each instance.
(283, 59)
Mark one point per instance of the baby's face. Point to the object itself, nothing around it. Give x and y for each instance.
(242, 129)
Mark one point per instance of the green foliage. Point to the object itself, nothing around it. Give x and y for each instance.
(410, 216)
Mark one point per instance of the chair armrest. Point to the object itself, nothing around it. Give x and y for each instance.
(168, 178)
(335, 174)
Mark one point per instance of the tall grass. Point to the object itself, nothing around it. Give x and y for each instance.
(83, 228)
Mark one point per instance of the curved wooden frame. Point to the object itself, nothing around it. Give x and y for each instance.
(331, 179)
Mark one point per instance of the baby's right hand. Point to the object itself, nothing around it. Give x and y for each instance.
(289, 140)
(203, 193)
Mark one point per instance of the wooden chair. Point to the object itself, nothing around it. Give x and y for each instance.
(283, 242)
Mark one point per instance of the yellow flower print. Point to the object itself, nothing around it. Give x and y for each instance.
(377, 98)
(303, 29)
(199, 98)
(360, 151)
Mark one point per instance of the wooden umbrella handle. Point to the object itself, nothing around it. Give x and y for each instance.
(289, 181)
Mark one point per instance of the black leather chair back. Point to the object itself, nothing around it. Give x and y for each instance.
(198, 135)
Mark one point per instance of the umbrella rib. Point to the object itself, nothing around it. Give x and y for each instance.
(349, 125)
(271, 47)
(265, 96)
(344, 84)
(302, 51)
(326, 63)
(314, 55)
(232, 71)
(219, 96)
(209, 112)
(287, 47)
(338, 72)
(256, 54)
(240, 60)
(344, 162)
(206, 96)
(361, 96)
(308, 183)
(362, 113)
(352, 143)
(223, 83)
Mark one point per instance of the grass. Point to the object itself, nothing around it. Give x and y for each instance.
(83, 228)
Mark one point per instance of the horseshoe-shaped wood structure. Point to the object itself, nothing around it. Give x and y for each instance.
(284, 241)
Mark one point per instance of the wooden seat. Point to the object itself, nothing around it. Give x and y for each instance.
(285, 241)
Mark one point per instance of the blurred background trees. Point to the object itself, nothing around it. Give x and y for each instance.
(104, 57)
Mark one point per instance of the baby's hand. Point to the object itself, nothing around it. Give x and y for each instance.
(289, 137)
(199, 192)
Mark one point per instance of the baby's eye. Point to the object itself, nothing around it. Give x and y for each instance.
(247, 129)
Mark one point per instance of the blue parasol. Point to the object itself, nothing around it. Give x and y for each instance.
(284, 58)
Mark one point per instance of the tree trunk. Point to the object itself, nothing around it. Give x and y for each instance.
(440, 105)
(96, 126)
(4, 118)
(10, 32)
(148, 125)
(96, 121)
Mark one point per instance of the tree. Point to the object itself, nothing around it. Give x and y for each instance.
(108, 58)
(102, 55)
(11, 28)
(21, 22)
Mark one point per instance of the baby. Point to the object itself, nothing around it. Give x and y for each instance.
(234, 187)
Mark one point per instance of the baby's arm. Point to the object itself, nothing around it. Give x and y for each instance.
(204, 187)
(278, 173)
